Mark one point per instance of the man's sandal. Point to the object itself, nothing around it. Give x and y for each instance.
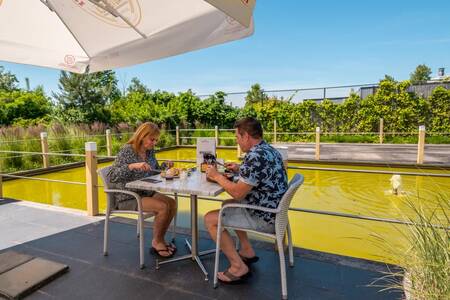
(249, 260)
(235, 279)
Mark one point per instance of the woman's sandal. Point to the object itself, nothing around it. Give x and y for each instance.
(233, 278)
(157, 252)
(249, 260)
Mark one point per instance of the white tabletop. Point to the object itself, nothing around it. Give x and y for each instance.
(195, 184)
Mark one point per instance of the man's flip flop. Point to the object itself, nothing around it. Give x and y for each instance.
(172, 247)
(249, 260)
(234, 279)
(157, 252)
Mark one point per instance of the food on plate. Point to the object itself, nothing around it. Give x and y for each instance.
(172, 172)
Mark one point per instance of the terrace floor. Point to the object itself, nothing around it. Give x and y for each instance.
(69, 237)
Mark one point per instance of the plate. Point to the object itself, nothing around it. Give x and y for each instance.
(170, 177)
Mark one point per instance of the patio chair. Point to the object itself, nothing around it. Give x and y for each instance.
(140, 214)
(281, 226)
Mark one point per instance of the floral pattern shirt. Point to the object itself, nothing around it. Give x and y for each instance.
(120, 174)
(263, 169)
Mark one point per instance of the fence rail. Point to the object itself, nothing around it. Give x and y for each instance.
(92, 185)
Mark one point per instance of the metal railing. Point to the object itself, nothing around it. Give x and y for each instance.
(92, 185)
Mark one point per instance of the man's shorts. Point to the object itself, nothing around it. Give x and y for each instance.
(241, 218)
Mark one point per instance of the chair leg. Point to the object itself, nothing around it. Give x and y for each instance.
(282, 267)
(291, 248)
(141, 242)
(106, 233)
(137, 228)
(216, 261)
(174, 222)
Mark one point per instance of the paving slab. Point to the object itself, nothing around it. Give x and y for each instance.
(25, 278)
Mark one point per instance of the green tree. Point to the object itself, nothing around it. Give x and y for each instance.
(8, 81)
(255, 95)
(420, 75)
(439, 105)
(24, 108)
(84, 98)
(137, 86)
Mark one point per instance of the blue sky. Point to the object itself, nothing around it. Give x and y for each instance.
(300, 44)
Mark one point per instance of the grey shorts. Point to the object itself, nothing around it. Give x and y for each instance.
(241, 217)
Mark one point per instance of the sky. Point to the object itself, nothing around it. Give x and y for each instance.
(300, 44)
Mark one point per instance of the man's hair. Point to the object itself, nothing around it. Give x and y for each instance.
(251, 126)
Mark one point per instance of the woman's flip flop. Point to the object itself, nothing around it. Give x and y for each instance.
(157, 252)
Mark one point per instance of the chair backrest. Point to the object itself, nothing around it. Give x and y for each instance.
(282, 217)
(103, 172)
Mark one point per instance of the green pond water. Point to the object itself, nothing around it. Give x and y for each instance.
(353, 193)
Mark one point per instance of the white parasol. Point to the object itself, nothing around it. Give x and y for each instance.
(93, 35)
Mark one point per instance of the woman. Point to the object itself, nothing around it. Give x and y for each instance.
(134, 161)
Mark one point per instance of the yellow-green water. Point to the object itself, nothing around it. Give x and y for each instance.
(353, 193)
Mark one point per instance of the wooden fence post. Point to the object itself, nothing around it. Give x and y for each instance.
(421, 145)
(44, 149)
(108, 142)
(274, 131)
(381, 130)
(216, 134)
(177, 135)
(317, 143)
(91, 178)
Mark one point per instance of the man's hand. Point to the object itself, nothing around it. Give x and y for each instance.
(232, 167)
(212, 173)
(141, 166)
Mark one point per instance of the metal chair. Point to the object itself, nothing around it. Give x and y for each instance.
(281, 226)
(140, 214)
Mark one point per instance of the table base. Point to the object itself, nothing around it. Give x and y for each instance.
(194, 257)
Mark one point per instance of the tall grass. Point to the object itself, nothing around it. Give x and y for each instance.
(61, 139)
(425, 264)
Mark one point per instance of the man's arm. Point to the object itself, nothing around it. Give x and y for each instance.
(237, 190)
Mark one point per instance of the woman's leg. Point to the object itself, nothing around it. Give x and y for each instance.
(162, 212)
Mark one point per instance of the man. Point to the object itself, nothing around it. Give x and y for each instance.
(262, 182)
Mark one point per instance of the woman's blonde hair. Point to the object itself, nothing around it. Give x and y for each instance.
(146, 129)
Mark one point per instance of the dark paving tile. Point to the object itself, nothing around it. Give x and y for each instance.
(93, 276)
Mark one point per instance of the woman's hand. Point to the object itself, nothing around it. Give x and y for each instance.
(232, 167)
(140, 166)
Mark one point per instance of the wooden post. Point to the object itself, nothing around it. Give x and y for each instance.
(381, 130)
(216, 134)
(108, 142)
(421, 145)
(91, 178)
(44, 148)
(177, 135)
(274, 131)
(317, 143)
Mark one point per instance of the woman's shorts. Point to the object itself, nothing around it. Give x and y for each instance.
(131, 203)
